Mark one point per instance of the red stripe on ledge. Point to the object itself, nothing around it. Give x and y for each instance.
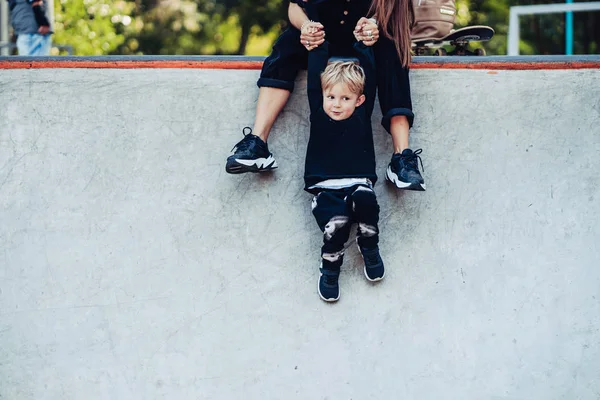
(254, 65)
(511, 66)
(132, 64)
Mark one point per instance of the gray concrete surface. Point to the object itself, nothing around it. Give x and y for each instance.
(133, 267)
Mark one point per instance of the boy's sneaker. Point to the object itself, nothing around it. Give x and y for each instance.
(250, 154)
(403, 170)
(328, 287)
(374, 269)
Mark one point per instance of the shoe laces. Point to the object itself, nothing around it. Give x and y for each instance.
(413, 159)
(331, 278)
(246, 142)
(371, 256)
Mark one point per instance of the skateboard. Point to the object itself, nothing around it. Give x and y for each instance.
(459, 38)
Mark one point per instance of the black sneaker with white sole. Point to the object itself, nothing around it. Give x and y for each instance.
(374, 269)
(250, 154)
(328, 287)
(403, 170)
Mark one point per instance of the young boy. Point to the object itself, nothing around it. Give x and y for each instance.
(340, 162)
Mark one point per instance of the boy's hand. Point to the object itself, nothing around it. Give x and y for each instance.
(44, 30)
(312, 35)
(366, 31)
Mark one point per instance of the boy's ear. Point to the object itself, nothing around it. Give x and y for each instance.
(361, 99)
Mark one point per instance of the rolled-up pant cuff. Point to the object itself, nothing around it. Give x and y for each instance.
(275, 83)
(386, 121)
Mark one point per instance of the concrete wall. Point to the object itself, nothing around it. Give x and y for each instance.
(133, 267)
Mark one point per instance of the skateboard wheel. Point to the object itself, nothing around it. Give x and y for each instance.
(440, 52)
(479, 52)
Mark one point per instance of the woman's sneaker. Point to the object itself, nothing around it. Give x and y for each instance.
(328, 287)
(250, 154)
(374, 269)
(403, 170)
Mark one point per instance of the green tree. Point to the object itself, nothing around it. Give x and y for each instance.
(91, 27)
(203, 26)
(260, 15)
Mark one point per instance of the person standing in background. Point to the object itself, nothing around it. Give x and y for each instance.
(31, 24)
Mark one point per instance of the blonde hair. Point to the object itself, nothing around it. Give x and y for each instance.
(347, 73)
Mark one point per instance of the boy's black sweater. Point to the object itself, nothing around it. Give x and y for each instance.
(339, 149)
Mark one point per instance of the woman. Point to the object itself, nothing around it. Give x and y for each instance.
(343, 22)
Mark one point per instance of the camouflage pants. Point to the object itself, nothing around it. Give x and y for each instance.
(336, 211)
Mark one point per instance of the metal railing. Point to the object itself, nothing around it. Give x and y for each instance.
(517, 11)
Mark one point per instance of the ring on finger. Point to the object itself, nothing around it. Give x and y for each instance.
(370, 33)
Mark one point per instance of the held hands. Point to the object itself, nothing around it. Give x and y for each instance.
(312, 35)
(366, 31)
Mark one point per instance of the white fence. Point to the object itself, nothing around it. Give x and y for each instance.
(517, 11)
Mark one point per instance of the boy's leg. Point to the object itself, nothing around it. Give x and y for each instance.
(276, 83)
(396, 106)
(332, 214)
(366, 214)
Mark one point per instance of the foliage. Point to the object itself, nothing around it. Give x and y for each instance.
(163, 27)
(91, 27)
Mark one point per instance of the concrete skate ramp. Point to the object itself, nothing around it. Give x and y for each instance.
(133, 267)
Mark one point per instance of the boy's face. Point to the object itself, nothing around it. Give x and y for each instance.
(339, 102)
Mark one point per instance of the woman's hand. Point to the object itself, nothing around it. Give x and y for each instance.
(312, 35)
(366, 31)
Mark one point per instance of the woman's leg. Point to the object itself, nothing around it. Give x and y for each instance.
(399, 130)
(276, 83)
(270, 103)
(393, 86)
(277, 79)
(396, 106)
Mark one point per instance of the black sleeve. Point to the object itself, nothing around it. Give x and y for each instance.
(367, 62)
(303, 4)
(39, 14)
(299, 2)
(317, 62)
